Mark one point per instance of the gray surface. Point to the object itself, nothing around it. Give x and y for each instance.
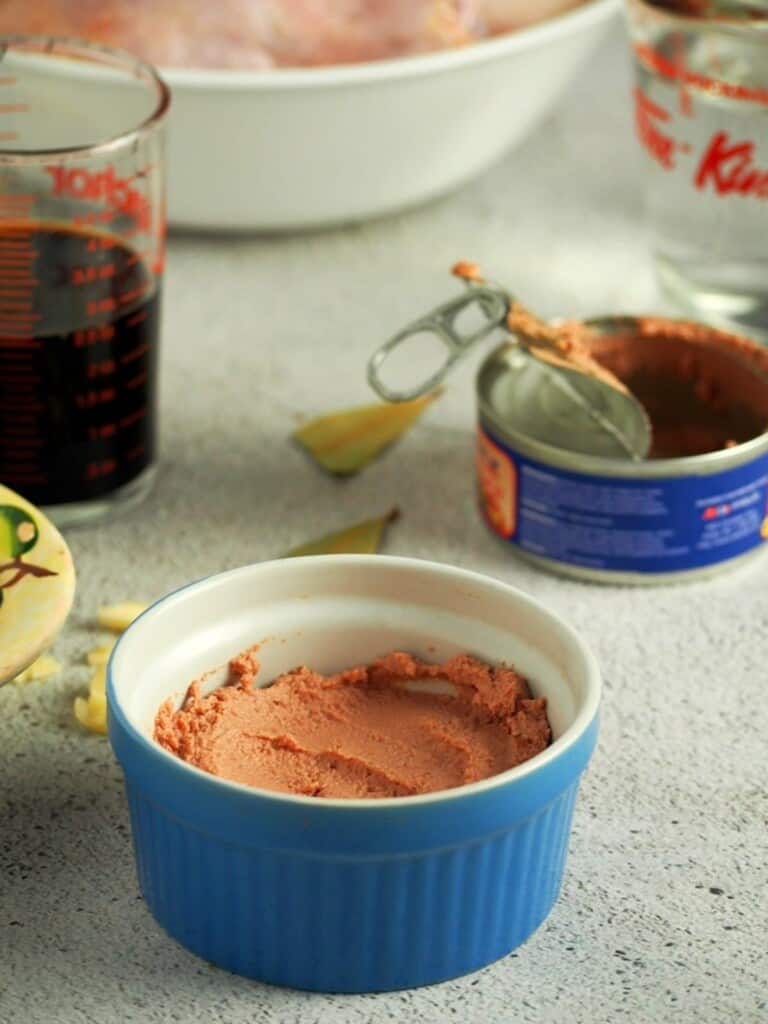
(663, 914)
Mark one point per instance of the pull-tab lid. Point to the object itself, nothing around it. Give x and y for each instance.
(575, 389)
(486, 304)
(560, 408)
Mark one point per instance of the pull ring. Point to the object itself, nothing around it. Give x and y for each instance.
(491, 301)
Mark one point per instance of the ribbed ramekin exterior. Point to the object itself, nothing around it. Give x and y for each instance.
(348, 895)
(350, 923)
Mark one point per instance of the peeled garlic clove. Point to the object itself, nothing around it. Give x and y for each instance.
(98, 683)
(81, 710)
(98, 656)
(43, 668)
(118, 617)
(91, 712)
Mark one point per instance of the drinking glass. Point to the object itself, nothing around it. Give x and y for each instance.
(701, 114)
(82, 229)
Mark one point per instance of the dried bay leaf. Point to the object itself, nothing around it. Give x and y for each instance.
(345, 442)
(361, 539)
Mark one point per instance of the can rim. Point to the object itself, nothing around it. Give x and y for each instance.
(706, 464)
(130, 136)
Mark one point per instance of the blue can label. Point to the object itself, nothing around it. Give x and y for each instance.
(662, 525)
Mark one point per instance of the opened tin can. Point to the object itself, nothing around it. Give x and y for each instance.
(545, 491)
(622, 449)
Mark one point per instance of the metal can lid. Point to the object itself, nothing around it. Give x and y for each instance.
(566, 410)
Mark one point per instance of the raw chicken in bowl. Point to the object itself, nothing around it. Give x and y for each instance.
(294, 114)
(259, 34)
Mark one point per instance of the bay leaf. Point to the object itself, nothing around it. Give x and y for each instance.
(361, 539)
(345, 442)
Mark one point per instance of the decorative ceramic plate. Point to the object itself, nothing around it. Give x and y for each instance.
(37, 583)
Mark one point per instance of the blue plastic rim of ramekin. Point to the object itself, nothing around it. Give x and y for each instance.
(351, 895)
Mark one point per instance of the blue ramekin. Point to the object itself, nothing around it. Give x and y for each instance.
(349, 895)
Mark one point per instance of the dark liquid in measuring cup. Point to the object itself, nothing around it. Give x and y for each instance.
(78, 358)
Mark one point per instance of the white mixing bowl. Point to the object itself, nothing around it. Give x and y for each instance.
(288, 149)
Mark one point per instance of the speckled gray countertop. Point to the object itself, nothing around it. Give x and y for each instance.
(663, 913)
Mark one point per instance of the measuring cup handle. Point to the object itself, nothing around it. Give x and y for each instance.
(493, 303)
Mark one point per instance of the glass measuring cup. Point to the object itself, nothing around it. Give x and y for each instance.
(82, 228)
(701, 114)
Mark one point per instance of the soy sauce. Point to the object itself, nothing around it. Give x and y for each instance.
(79, 317)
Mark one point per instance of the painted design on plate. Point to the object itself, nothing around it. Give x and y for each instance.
(19, 533)
(37, 583)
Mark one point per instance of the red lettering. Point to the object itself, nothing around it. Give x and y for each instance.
(102, 433)
(94, 470)
(132, 419)
(729, 168)
(82, 275)
(676, 71)
(648, 116)
(82, 185)
(99, 306)
(105, 368)
(94, 335)
(57, 179)
(105, 187)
